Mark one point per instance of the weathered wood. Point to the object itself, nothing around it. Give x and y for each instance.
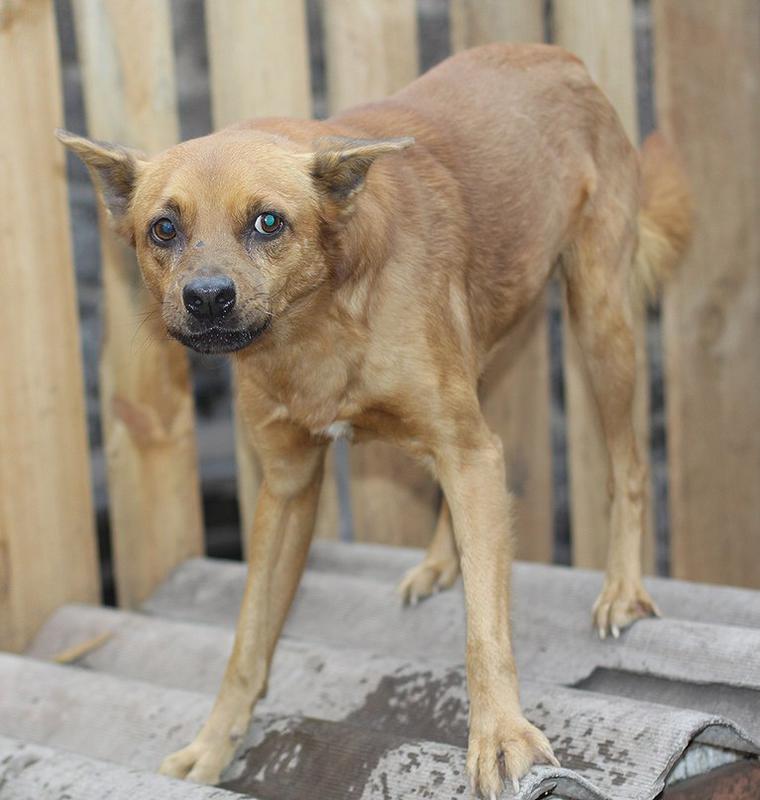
(125, 51)
(47, 537)
(708, 96)
(258, 59)
(394, 500)
(515, 387)
(258, 63)
(371, 50)
(601, 33)
(476, 22)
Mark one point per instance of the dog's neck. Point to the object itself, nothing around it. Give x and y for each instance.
(311, 359)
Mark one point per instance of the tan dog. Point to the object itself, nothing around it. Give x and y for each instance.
(362, 281)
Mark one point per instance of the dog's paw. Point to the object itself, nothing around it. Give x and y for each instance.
(428, 577)
(199, 762)
(507, 739)
(620, 604)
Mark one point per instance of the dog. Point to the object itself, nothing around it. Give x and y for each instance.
(359, 271)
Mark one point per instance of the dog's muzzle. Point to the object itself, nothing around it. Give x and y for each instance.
(220, 339)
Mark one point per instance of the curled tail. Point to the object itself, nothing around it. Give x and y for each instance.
(665, 218)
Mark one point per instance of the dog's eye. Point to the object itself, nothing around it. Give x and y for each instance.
(268, 224)
(163, 230)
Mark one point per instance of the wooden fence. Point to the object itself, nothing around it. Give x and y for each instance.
(707, 58)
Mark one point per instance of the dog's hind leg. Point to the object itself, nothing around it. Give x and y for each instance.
(598, 276)
(440, 567)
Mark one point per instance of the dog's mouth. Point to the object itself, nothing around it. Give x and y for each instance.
(217, 339)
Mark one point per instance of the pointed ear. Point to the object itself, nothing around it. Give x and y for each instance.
(114, 171)
(339, 165)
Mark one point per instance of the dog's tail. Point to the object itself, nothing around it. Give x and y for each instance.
(665, 218)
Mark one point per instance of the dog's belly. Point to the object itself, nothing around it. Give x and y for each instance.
(375, 425)
(336, 430)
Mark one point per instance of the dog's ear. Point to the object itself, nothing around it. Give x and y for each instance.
(339, 165)
(114, 171)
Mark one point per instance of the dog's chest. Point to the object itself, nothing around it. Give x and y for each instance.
(336, 430)
(318, 425)
(327, 397)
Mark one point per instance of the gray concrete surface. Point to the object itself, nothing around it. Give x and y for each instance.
(368, 700)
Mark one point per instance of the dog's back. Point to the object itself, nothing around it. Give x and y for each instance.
(528, 140)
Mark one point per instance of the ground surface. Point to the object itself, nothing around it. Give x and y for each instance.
(367, 700)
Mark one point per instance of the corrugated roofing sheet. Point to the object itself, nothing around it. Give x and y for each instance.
(367, 700)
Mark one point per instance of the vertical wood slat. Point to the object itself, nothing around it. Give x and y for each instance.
(259, 66)
(258, 59)
(515, 387)
(47, 536)
(371, 50)
(601, 33)
(475, 22)
(126, 55)
(707, 62)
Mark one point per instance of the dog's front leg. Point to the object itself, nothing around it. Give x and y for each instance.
(277, 549)
(473, 479)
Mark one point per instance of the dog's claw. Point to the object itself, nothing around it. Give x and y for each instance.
(427, 578)
(548, 754)
(621, 603)
(504, 748)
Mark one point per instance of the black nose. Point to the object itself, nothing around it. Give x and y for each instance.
(209, 298)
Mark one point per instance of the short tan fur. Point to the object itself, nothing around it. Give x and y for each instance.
(415, 233)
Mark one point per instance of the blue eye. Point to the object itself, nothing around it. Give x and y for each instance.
(268, 224)
(163, 230)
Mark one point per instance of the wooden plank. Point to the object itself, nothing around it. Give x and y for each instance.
(258, 59)
(47, 533)
(371, 50)
(475, 22)
(601, 33)
(125, 51)
(259, 66)
(515, 387)
(708, 60)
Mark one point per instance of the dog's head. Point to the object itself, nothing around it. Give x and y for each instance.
(230, 229)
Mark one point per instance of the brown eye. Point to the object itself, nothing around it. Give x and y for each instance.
(163, 230)
(268, 224)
